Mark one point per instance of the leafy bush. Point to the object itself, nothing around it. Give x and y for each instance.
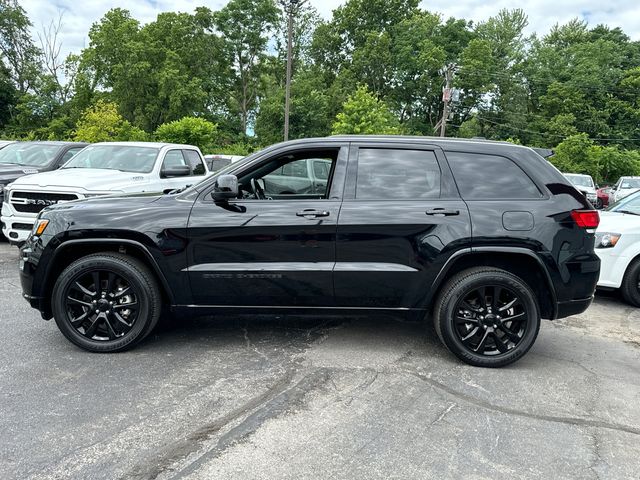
(102, 123)
(188, 130)
(364, 114)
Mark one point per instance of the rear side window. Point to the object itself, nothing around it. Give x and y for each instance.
(490, 177)
(390, 174)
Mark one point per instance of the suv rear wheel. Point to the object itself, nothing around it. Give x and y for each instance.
(487, 317)
(106, 302)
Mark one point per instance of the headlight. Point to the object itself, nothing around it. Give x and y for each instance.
(39, 227)
(607, 240)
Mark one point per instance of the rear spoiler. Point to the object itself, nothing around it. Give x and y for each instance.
(544, 152)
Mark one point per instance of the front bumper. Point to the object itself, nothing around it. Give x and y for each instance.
(612, 267)
(16, 226)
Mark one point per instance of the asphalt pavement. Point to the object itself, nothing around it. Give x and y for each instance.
(294, 397)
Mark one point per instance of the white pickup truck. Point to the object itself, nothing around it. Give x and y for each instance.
(107, 168)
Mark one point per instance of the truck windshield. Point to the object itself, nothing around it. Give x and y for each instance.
(626, 183)
(29, 154)
(115, 157)
(580, 180)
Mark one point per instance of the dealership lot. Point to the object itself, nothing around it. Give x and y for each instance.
(307, 398)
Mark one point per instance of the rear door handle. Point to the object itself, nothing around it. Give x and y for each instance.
(313, 213)
(442, 212)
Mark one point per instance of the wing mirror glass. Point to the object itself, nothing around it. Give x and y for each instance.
(226, 187)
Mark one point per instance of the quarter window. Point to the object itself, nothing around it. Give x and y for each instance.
(490, 177)
(386, 174)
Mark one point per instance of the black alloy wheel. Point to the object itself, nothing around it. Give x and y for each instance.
(631, 284)
(106, 302)
(487, 317)
(101, 305)
(491, 320)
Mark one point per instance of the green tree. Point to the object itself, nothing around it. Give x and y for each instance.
(364, 114)
(188, 130)
(244, 26)
(103, 123)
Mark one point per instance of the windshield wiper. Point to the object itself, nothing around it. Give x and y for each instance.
(629, 212)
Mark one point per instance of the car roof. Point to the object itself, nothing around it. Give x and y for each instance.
(53, 142)
(145, 144)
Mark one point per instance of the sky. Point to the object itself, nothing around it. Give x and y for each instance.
(543, 14)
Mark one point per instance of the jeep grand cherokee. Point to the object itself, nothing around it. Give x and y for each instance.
(483, 238)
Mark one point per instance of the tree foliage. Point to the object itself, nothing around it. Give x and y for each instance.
(102, 123)
(188, 130)
(364, 114)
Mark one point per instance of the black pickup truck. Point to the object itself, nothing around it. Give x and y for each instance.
(482, 238)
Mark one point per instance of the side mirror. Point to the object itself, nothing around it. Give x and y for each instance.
(176, 171)
(226, 187)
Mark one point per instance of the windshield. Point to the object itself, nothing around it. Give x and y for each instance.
(630, 204)
(580, 180)
(29, 154)
(631, 183)
(116, 157)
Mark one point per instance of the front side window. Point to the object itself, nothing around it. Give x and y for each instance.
(116, 157)
(490, 177)
(395, 174)
(290, 177)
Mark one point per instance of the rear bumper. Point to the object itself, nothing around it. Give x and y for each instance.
(572, 307)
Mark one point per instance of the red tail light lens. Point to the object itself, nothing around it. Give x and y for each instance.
(586, 218)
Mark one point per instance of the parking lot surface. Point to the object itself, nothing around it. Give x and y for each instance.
(292, 397)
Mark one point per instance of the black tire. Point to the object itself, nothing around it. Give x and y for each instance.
(136, 292)
(599, 204)
(631, 284)
(489, 323)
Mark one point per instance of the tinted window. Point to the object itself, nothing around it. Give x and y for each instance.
(397, 174)
(487, 177)
(295, 169)
(196, 163)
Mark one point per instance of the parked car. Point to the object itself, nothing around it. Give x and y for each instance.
(585, 185)
(624, 186)
(486, 238)
(603, 197)
(218, 162)
(26, 158)
(618, 246)
(101, 169)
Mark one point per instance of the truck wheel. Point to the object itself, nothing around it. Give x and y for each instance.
(106, 302)
(631, 284)
(487, 317)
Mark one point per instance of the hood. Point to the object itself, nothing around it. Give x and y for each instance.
(9, 172)
(618, 222)
(89, 179)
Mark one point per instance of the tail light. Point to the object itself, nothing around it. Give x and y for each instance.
(586, 218)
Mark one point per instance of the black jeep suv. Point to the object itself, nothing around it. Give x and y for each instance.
(485, 238)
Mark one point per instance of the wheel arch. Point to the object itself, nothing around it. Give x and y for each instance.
(72, 250)
(519, 261)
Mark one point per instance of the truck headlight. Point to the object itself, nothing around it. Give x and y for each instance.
(607, 240)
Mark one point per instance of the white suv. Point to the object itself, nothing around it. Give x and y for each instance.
(100, 169)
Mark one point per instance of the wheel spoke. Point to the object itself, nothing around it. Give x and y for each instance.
(513, 317)
(508, 305)
(121, 320)
(467, 306)
(125, 305)
(121, 292)
(471, 334)
(511, 335)
(76, 322)
(497, 291)
(482, 295)
(91, 331)
(110, 331)
(483, 342)
(81, 302)
(85, 290)
(500, 345)
(460, 320)
(96, 281)
(110, 279)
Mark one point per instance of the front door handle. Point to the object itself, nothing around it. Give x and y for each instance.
(313, 213)
(442, 212)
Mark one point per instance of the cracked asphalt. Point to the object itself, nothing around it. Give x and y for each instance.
(295, 397)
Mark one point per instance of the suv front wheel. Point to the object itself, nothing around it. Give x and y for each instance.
(106, 302)
(487, 317)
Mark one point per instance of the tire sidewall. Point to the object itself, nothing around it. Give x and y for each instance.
(77, 269)
(447, 325)
(630, 289)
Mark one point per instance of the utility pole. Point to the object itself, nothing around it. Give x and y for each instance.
(291, 7)
(446, 97)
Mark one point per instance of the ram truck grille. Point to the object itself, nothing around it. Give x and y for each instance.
(33, 202)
